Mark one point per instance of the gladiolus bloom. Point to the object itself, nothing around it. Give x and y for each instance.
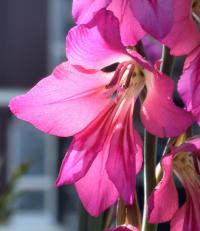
(163, 203)
(168, 21)
(79, 99)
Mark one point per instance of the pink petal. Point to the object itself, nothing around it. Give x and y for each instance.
(163, 202)
(124, 154)
(155, 16)
(191, 145)
(130, 29)
(184, 35)
(189, 84)
(84, 149)
(187, 217)
(177, 223)
(159, 114)
(84, 11)
(65, 102)
(97, 44)
(95, 189)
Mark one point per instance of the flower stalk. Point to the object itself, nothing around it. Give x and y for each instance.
(150, 150)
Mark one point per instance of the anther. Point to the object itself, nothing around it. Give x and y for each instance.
(119, 75)
(129, 76)
(115, 78)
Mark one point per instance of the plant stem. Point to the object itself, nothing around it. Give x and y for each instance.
(128, 214)
(133, 215)
(121, 213)
(150, 150)
(167, 61)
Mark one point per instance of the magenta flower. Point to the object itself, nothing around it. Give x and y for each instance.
(130, 29)
(123, 228)
(184, 35)
(189, 84)
(169, 21)
(163, 203)
(97, 108)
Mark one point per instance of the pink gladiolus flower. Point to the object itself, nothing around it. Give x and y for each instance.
(130, 29)
(169, 21)
(163, 203)
(97, 108)
(103, 30)
(123, 228)
(189, 84)
(184, 35)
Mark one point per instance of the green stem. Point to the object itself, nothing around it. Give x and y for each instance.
(88, 223)
(150, 150)
(167, 61)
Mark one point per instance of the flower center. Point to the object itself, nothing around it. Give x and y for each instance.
(126, 74)
(185, 167)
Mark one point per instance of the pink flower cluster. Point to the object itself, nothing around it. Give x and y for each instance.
(83, 100)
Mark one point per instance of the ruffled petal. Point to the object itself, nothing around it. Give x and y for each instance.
(161, 206)
(65, 102)
(97, 44)
(95, 189)
(189, 84)
(155, 16)
(130, 29)
(184, 35)
(125, 153)
(84, 11)
(159, 114)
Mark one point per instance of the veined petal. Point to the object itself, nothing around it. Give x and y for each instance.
(184, 35)
(97, 44)
(65, 102)
(130, 29)
(161, 206)
(84, 11)
(155, 16)
(159, 114)
(95, 189)
(189, 84)
(84, 148)
(125, 155)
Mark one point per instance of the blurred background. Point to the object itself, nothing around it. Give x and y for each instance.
(32, 43)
